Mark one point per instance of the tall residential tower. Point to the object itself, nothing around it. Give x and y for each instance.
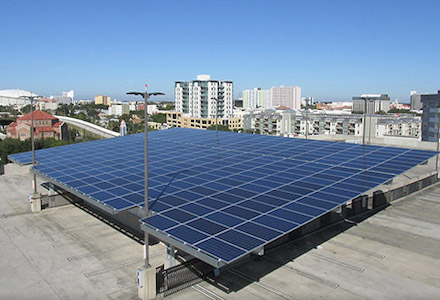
(431, 117)
(257, 98)
(204, 98)
(289, 96)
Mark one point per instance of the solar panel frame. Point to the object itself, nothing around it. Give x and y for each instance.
(219, 176)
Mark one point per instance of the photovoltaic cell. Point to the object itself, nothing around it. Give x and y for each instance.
(223, 194)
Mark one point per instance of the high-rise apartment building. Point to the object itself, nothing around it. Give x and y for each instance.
(374, 103)
(431, 117)
(415, 101)
(204, 98)
(256, 98)
(100, 99)
(289, 96)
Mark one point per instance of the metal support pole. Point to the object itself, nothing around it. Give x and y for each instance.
(146, 95)
(369, 129)
(147, 259)
(33, 143)
(438, 142)
(307, 122)
(216, 115)
(365, 122)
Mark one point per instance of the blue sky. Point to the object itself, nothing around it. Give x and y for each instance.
(333, 49)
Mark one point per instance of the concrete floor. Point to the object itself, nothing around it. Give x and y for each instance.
(64, 253)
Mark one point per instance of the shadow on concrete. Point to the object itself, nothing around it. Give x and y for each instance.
(254, 268)
(118, 222)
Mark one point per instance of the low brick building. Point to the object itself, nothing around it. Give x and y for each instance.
(45, 126)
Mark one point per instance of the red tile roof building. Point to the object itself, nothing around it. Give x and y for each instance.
(45, 126)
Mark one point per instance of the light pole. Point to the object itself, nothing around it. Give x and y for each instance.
(216, 112)
(31, 97)
(146, 95)
(307, 120)
(438, 141)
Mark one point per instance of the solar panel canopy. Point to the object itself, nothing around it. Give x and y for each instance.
(220, 194)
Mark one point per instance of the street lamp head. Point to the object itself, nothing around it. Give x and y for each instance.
(135, 93)
(30, 97)
(143, 93)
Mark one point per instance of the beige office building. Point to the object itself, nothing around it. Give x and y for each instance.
(177, 119)
(100, 99)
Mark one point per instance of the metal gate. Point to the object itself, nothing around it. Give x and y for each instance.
(174, 279)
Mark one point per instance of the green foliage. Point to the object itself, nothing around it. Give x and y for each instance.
(403, 111)
(86, 112)
(10, 110)
(10, 146)
(357, 112)
(158, 118)
(73, 134)
(113, 125)
(67, 110)
(139, 113)
(26, 109)
(381, 112)
(169, 107)
(220, 127)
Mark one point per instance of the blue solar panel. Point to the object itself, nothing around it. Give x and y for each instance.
(223, 194)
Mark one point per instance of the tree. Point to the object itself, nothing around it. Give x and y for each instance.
(26, 109)
(220, 127)
(73, 134)
(113, 125)
(139, 113)
(169, 107)
(10, 146)
(158, 118)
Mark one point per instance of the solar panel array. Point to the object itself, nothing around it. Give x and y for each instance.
(225, 194)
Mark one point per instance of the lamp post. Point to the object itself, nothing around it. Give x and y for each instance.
(32, 97)
(216, 112)
(307, 120)
(438, 141)
(146, 95)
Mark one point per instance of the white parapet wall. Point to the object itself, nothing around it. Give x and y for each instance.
(104, 132)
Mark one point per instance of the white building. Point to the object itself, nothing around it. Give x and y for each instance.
(152, 109)
(12, 97)
(83, 101)
(65, 98)
(373, 102)
(416, 100)
(119, 109)
(288, 122)
(256, 98)
(204, 98)
(307, 101)
(47, 104)
(288, 96)
(402, 126)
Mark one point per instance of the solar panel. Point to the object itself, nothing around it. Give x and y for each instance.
(222, 194)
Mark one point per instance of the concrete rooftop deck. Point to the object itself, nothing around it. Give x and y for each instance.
(65, 253)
